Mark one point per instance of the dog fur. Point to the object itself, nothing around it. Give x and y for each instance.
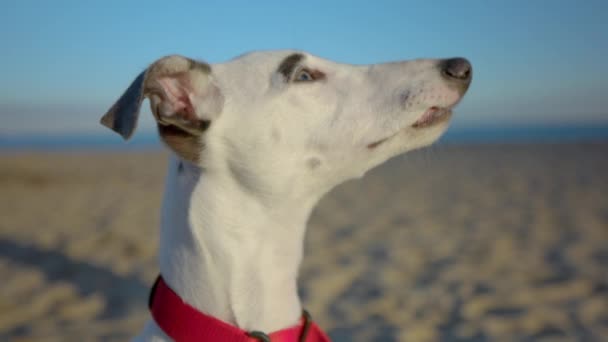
(257, 142)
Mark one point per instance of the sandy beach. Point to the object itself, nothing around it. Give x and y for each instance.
(451, 243)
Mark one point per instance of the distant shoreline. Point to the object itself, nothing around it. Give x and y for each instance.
(150, 141)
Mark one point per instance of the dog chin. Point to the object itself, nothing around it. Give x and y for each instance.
(430, 135)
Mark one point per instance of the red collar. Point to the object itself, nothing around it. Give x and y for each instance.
(184, 323)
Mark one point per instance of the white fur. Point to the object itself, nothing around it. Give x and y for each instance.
(233, 226)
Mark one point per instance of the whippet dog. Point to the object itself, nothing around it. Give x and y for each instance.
(256, 142)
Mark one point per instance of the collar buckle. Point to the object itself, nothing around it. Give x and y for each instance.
(263, 337)
(260, 336)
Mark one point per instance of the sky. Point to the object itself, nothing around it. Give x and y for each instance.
(63, 63)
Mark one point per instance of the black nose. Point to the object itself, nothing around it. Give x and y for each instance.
(458, 69)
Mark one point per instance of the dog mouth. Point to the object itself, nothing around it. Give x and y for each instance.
(431, 117)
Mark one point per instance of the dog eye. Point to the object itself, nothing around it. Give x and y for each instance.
(303, 76)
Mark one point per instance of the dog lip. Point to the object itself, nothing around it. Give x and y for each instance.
(376, 143)
(432, 116)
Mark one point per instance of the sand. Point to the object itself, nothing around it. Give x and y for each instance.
(452, 243)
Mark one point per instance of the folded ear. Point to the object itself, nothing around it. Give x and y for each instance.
(181, 93)
(122, 116)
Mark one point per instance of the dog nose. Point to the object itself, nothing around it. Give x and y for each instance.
(457, 69)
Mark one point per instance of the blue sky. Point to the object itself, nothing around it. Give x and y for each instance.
(63, 63)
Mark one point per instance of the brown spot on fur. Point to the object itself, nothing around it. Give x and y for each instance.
(289, 64)
(186, 145)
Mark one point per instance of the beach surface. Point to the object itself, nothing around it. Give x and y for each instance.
(451, 243)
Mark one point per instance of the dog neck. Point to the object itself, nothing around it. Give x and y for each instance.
(227, 253)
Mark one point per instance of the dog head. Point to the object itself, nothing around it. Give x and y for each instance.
(280, 119)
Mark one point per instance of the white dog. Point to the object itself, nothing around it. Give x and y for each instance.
(257, 142)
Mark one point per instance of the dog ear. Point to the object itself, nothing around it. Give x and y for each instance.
(181, 93)
(122, 116)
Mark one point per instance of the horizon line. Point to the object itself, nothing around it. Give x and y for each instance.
(455, 135)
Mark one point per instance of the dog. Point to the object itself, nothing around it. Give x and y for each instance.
(256, 142)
